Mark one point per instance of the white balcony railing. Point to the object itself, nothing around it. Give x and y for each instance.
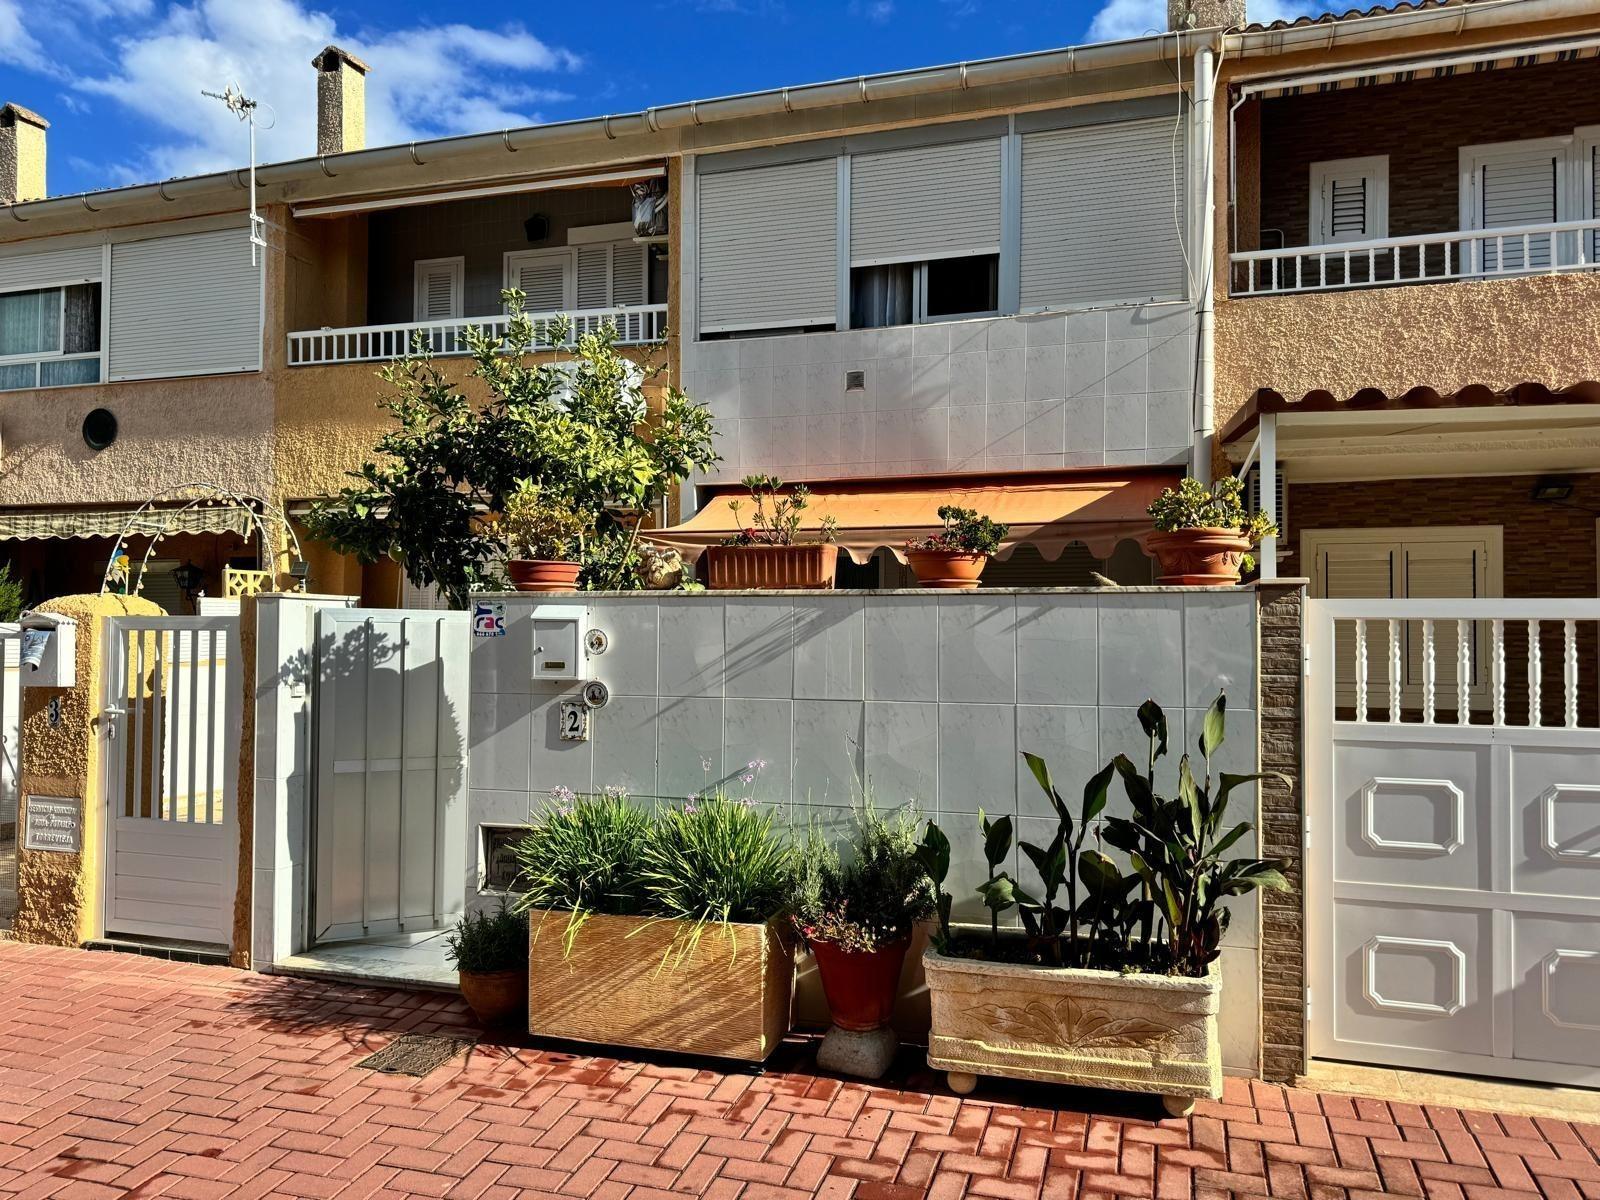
(637, 325)
(1421, 258)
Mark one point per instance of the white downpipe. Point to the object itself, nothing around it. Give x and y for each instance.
(1204, 242)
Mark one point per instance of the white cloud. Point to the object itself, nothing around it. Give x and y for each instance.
(1136, 18)
(877, 12)
(426, 80)
(18, 46)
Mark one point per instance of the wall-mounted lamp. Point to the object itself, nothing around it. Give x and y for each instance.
(189, 578)
(537, 227)
(1552, 489)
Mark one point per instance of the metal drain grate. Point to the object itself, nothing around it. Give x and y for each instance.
(416, 1053)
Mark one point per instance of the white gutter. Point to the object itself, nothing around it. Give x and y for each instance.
(1204, 243)
(862, 90)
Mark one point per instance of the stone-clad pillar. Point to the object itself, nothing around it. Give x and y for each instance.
(1282, 711)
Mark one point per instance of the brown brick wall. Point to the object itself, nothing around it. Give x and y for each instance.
(1281, 633)
(1550, 550)
(1420, 126)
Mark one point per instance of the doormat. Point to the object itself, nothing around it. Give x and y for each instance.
(416, 1053)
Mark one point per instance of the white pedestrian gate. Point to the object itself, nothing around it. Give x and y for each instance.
(1453, 835)
(391, 803)
(173, 695)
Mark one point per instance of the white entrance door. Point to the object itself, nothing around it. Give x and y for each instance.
(391, 802)
(173, 699)
(1453, 836)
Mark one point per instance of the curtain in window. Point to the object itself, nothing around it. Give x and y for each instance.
(30, 322)
(881, 296)
(81, 328)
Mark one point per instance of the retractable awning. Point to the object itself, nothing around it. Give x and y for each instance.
(112, 522)
(1046, 510)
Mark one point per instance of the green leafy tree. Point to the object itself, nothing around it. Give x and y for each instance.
(439, 479)
(11, 600)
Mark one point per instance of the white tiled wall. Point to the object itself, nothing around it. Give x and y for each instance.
(1107, 387)
(917, 697)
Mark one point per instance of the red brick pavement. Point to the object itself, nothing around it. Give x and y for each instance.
(124, 1076)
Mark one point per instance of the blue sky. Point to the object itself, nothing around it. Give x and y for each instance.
(120, 80)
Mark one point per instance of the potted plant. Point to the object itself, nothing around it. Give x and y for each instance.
(490, 953)
(544, 540)
(764, 555)
(658, 929)
(1112, 981)
(856, 913)
(1204, 535)
(956, 555)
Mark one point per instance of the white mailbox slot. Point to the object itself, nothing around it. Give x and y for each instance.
(49, 653)
(558, 651)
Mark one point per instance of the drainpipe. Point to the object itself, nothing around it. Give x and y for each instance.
(1204, 243)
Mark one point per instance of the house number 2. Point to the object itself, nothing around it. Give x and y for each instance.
(574, 721)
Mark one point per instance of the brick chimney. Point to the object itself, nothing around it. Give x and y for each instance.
(21, 154)
(341, 101)
(1205, 14)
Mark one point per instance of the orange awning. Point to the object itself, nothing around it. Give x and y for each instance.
(1046, 510)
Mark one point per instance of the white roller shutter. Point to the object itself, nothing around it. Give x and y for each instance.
(23, 272)
(188, 305)
(768, 247)
(1098, 218)
(925, 202)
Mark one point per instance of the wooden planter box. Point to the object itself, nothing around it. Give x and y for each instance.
(1103, 1029)
(768, 568)
(624, 984)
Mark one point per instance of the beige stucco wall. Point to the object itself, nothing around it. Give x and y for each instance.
(59, 894)
(1543, 329)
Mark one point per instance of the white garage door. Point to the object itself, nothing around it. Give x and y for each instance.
(1453, 865)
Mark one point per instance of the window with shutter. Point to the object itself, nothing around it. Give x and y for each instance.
(440, 284)
(629, 282)
(1350, 200)
(594, 276)
(545, 278)
(1512, 184)
(925, 202)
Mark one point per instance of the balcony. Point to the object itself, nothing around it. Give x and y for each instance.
(636, 325)
(1507, 251)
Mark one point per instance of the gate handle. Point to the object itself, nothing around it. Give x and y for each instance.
(112, 710)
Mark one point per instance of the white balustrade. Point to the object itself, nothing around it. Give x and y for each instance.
(637, 325)
(1420, 258)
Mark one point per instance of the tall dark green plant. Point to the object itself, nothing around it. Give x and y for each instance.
(11, 600)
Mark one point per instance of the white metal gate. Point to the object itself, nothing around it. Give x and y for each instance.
(173, 695)
(391, 803)
(1453, 835)
(10, 767)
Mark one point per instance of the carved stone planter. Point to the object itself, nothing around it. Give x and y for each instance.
(651, 984)
(1198, 557)
(1103, 1029)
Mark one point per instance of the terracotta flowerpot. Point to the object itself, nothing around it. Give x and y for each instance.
(496, 997)
(810, 565)
(1086, 1028)
(861, 986)
(543, 574)
(1198, 557)
(947, 568)
(719, 990)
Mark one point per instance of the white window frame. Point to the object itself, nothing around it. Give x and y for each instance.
(569, 271)
(919, 290)
(1376, 168)
(60, 353)
(458, 283)
(1471, 158)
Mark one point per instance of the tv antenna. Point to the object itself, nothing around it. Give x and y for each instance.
(244, 108)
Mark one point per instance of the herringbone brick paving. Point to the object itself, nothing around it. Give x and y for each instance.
(132, 1077)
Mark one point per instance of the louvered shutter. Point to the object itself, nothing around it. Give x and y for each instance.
(1442, 570)
(1594, 202)
(188, 305)
(1252, 499)
(594, 276)
(1349, 200)
(627, 274)
(768, 247)
(427, 599)
(925, 202)
(439, 284)
(544, 279)
(1098, 222)
(1357, 571)
(1516, 186)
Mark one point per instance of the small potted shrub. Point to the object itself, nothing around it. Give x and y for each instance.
(544, 540)
(1204, 535)
(956, 555)
(856, 912)
(490, 953)
(658, 929)
(1112, 981)
(766, 554)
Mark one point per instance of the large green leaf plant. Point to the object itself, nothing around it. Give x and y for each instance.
(581, 431)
